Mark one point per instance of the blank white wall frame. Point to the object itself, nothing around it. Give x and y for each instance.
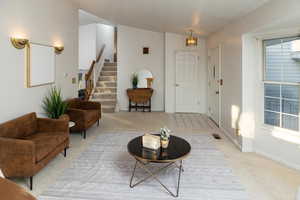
(40, 65)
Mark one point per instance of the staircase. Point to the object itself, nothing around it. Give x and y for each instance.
(105, 91)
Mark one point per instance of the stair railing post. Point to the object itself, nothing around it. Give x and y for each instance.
(94, 77)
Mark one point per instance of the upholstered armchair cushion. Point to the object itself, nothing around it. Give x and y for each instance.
(22, 126)
(89, 105)
(17, 157)
(12, 191)
(45, 143)
(53, 125)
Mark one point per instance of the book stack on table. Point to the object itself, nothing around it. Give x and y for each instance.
(151, 146)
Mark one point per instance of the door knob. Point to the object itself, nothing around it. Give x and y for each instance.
(217, 92)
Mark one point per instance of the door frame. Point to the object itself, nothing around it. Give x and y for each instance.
(219, 122)
(198, 57)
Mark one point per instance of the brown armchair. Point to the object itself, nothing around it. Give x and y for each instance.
(28, 143)
(12, 191)
(84, 113)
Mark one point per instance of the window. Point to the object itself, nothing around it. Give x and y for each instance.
(282, 82)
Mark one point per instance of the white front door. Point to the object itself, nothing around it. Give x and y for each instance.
(187, 75)
(214, 82)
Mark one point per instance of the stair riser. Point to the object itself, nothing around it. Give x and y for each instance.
(108, 110)
(108, 73)
(110, 64)
(106, 90)
(105, 96)
(107, 103)
(106, 84)
(109, 68)
(107, 78)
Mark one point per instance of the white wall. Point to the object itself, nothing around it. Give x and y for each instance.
(91, 39)
(131, 59)
(242, 78)
(105, 35)
(87, 45)
(47, 22)
(173, 43)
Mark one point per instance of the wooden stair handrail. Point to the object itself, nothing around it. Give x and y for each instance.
(89, 83)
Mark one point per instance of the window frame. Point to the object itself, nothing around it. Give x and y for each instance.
(280, 83)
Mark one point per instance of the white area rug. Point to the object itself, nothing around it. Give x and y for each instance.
(103, 171)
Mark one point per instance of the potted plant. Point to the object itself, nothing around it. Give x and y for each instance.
(53, 104)
(165, 137)
(135, 80)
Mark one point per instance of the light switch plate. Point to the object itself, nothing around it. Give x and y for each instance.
(73, 80)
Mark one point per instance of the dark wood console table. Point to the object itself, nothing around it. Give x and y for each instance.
(140, 98)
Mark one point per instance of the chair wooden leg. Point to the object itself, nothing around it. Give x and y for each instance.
(31, 182)
(98, 122)
(65, 152)
(129, 108)
(84, 134)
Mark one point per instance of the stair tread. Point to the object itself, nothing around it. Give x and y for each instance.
(106, 100)
(107, 81)
(110, 63)
(107, 106)
(113, 93)
(106, 87)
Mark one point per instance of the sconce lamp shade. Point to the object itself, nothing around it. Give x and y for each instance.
(59, 50)
(19, 43)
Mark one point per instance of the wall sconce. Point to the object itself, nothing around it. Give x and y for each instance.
(59, 50)
(19, 43)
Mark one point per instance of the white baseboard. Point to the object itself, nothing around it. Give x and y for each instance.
(233, 140)
(277, 159)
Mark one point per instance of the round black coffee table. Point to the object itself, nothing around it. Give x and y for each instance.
(177, 151)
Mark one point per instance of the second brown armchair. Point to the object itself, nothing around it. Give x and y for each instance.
(84, 114)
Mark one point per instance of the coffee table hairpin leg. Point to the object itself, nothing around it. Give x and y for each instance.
(154, 175)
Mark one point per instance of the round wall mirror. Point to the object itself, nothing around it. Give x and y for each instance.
(145, 78)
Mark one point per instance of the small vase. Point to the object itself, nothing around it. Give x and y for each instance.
(164, 144)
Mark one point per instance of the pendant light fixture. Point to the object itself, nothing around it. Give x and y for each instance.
(191, 40)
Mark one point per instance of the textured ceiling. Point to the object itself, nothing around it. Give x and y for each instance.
(177, 16)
